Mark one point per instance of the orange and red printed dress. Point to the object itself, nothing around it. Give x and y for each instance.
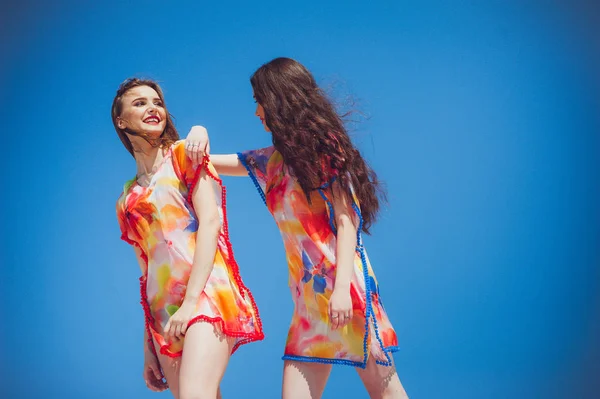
(160, 220)
(309, 237)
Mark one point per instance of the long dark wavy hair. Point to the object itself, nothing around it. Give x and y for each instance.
(311, 136)
(169, 135)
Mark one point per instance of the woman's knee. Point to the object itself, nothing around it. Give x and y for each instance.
(382, 382)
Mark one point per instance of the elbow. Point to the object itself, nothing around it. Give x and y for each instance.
(210, 224)
(214, 224)
(346, 224)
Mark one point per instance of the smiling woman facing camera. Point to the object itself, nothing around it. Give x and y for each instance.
(172, 212)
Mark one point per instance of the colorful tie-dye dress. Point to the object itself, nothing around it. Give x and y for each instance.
(161, 222)
(309, 237)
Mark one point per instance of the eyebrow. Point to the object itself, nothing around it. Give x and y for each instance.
(145, 98)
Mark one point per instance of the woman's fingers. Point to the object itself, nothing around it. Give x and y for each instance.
(167, 330)
(198, 154)
(340, 318)
(156, 371)
(184, 328)
(347, 316)
(335, 320)
(150, 379)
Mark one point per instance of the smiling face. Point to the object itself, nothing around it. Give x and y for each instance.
(143, 112)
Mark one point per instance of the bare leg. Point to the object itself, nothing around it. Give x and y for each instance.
(381, 382)
(206, 353)
(170, 367)
(302, 380)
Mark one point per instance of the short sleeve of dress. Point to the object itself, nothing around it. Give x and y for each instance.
(122, 213)
(255, 162)
(187, 171)
(121, 218)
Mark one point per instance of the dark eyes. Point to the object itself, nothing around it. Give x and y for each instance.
(142, 103)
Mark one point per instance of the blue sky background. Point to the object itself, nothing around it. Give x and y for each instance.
(484, 123)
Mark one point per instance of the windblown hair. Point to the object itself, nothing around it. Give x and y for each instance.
(169, 135)
(311, 136)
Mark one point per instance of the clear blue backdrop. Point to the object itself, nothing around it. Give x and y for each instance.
(483, 122)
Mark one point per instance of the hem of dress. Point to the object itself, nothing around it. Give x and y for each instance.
(242, 159)
(369, 313)
(217, 322)
(388, 350)
(343, 362)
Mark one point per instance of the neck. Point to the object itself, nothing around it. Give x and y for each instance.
(147, 157)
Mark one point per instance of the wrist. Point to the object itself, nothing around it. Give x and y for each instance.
(341, 287)
(190, 300)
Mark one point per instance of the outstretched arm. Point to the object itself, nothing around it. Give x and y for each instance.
(197, 145)
(228, 165)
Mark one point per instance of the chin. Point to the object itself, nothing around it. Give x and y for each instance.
(155, 133)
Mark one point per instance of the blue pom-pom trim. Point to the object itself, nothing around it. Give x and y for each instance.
(343, 362)
(331, 223)
(329, 205)
(242, 159)
(369, 313)
(309, 359)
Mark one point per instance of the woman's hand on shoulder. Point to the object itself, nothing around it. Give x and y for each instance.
(197, 143)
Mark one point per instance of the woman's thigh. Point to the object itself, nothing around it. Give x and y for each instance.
(170, 369)
(303, 380)
(206, 353)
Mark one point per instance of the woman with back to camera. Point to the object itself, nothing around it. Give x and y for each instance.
(173, 213)
(322, 195)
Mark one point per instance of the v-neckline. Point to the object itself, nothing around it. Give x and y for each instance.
(158, 170)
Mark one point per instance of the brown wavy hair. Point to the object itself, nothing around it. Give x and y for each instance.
(311, 136)
(169, 135)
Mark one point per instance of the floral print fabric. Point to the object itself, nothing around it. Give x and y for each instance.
(309, 237)
(161, 222)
